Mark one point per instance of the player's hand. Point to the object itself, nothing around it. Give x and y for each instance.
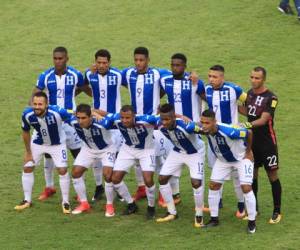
(194, 78)
(247, 125)
(186, 119)
(249, 156)
(93, 68)
(96, 115)
(28, 157)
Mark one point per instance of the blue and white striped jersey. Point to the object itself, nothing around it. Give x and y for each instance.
(140, 136)
(229, 143)
(223, 102)
(48, 128)
(144, 89)
(184, 95)
(184, 137)
(106, 90)
(96, 136)
(61, 89)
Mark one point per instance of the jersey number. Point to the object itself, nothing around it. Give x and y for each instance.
(102, 94)
(177, 97)
(272, 160)
(252, 110)
(44, 132)
(60, 93)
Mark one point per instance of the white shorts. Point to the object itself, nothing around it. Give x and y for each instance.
(128, 157)
(88, 157)
(72, 139)
(222, 170)
(175, 161)
(58, 154)
(117, 138)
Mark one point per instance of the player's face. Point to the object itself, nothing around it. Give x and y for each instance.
(102, 64)
(127, 118)
(177, 67)
(39, 105)
(208, 124)
(168, 120)
(257, 79)
(83, 119)
(60, 60)
(141, 62)
(215, 78)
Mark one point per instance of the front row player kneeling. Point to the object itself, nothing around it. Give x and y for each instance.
(232, 147)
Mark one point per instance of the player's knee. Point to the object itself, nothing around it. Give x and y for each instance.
(116, 178)
(76, 172)
(214, 185)
(196, 183)
(28, 170)
(62, 171)
(163, 179)
(107, 175)
(246, 188)
(272, 175)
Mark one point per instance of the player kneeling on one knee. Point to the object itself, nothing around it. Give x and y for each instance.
(232, 148)
(188, 150)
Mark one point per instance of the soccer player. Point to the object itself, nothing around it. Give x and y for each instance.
(60, 83)
(97, 145)
(184, 96)
(105, 82)
(188, 150)
(49, 138)
(232, 148)
(138, 147)
(260, 110)
(223, 97)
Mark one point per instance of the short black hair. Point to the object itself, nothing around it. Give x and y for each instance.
(209, 113)
(60, 49)
(180, 56)
(40, 94)
(103, 53)
(126, 108)
(217, 67)
(261, 69)
(166, 108)
(84, 108)
(141, 51)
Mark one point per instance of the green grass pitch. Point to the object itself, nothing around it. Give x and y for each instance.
(239, 34)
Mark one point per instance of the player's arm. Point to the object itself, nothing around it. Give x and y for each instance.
(263, 120)
(99, 113)
(193, 127)
(242, 110)
(40, 86)
(242, 97)
(85, 88)
(183, 117)
(249, 154)
(27, 139)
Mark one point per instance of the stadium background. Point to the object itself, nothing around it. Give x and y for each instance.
(239, 34)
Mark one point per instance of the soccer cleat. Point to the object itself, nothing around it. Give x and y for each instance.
(131, 209)
(246, 216)
(109, 210)
(168, 217)
(199, 221)
(241, 212)
(23, 205)
(276, 218)
(84, 206)
(140, 193)
(161, 201)
(285, 9)
(176, 198)
(150, 213)
(48, 192)
(99, 191)
(66, 208)
(213, 222)
(251, 228)
(205, 209)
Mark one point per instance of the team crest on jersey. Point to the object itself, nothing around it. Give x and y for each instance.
(70, 80)
(149, 78)
(185, 84)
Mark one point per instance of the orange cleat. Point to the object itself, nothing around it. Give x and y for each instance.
(140, 193)
(109, 210)
(48, 192)
(205, 209)
(83, 207)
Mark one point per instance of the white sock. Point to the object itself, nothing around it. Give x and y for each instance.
(250, 205)
(213, 202)
(174, 182)
(122, 189)
(166, 193)
(199, 200)
(64, 182)
(109, 192)
(139, 175)
(80, 189)
(151, 196)
(27, 183)
(98, 172)
(49, 172)
(238, 190)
